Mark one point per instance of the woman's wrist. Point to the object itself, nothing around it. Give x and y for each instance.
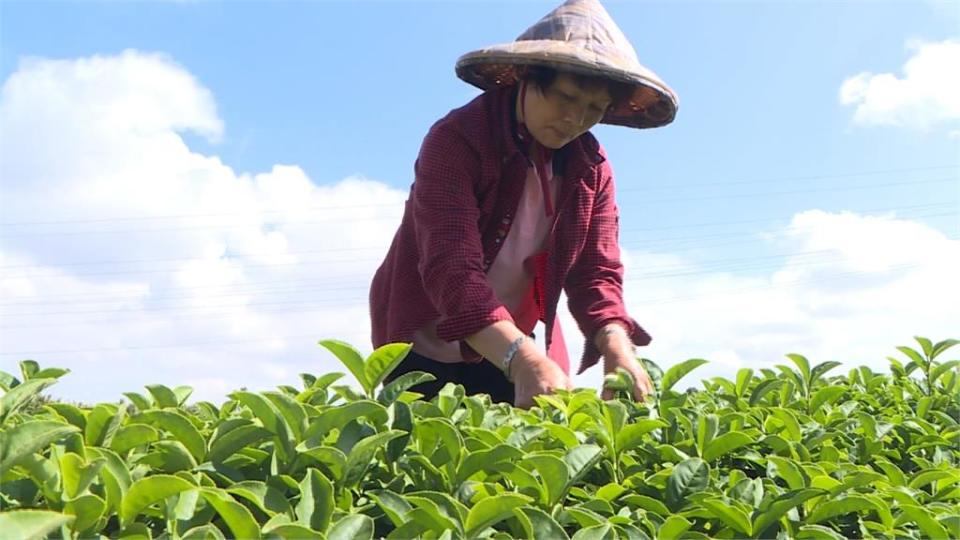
(613, 338)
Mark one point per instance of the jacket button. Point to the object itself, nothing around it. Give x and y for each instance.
(506, 220)
(496, 241)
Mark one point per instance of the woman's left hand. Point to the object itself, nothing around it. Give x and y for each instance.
(626, 359)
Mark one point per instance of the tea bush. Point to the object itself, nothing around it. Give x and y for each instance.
(789, 452)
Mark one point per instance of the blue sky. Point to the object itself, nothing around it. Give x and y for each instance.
(346, 90)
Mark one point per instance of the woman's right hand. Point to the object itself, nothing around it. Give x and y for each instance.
(535, 374)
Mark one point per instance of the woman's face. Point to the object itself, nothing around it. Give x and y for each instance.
(564, 111)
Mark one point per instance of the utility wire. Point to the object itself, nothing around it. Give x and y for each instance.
(667, 300)
(381, 249)
(643, 276)
(954, 167)
(297, 223)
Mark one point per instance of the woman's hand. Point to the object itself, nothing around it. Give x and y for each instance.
(643, 386)
(535, 374)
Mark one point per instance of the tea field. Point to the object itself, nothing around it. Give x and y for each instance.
(799, 450)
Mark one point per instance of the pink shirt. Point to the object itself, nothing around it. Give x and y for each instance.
(510, 275)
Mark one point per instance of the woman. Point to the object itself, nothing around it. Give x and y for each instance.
(512, 204)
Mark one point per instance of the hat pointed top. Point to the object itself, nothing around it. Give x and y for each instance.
(580, 37)
(586, 24)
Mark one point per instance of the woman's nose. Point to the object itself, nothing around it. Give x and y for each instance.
(575, 117)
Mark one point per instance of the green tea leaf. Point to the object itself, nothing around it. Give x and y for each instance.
(315, 508)
(926, 477)
(781, 505)
(230, 442)
(839, 507)
(631, 436)
(677, 372)
(762, 389)
(87, 510)
(540, 526)
(942, 346)
(265, 497)
(603, 531)
(492, 510)
(648, 503)
(726, 443)
(337, 417)
(432, 516)
(688, 477)
(351, 358)
(77, 475)
(32, 524)
(19, 395)
(553, 475)
(355, 527)
(925, 520)
(817, 372)
(362, 453)
(803, 365)
(914, 355)
(392, 390)
(235, 515)
(292, 412)
(203, 532)
(673, 527)
(147, 491)
(271, 419)
(731, 516)
(938, 371)
(393, 505)
(383, 361)
(781, 467)
(818, 532)
(744, 376)
(480, 460)
(789, 420)
(707, 426)
(579, 461)
(133, 435)
(24, 439)
(163, 396)
(827, 395)
(102, 424)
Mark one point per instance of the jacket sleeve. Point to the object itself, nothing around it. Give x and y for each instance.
(445, 215)
(594, 285)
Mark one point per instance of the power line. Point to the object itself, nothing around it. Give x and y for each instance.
(297, 223)
(666, 300)
(385, 205)
(666, 271)
(649, 242)
(365, 248)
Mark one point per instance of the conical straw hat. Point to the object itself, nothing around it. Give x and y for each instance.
(578, 37)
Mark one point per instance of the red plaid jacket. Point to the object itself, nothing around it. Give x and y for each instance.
(470, 175)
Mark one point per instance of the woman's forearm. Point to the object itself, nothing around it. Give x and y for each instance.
(612, 338)
(493, 342)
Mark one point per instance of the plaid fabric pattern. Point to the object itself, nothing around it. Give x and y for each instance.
(469, 176)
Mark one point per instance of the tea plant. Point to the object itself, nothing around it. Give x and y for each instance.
(787, 452)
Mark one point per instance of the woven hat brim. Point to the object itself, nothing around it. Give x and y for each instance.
(652, 104)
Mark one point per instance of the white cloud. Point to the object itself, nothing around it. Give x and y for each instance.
(252, 268)
(872, 284)
(243, 258)
(927, 93)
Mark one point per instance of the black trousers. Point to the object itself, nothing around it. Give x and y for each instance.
(481, 378)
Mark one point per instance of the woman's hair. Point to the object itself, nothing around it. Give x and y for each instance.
(542, 77)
